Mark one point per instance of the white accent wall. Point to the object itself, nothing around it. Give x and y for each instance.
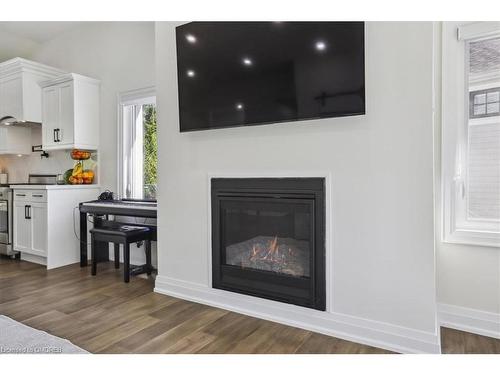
(15, 46)
(382, 287)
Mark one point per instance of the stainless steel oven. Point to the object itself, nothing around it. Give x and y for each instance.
(6, 221)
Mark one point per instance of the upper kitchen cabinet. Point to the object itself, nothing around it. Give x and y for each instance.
(70, 113)
(20, 93)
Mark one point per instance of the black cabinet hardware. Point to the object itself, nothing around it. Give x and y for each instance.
(57, 133)
(27, 212)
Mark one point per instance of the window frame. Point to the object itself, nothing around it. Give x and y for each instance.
(455, 118)
(474, 93)
(142, 96)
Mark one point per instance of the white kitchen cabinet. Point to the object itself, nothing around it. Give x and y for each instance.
(70, 113)
(30, 225)
(20, 93)
(39, 222)
(50, 114)
(45, 222)
(22, 227)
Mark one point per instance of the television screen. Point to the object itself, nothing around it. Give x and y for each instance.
(251, 73)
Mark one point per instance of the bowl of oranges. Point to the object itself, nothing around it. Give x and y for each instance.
(79, 175)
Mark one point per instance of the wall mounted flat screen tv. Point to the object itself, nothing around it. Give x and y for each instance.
(251, 73)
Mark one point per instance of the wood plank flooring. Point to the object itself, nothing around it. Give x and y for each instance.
(104, 315)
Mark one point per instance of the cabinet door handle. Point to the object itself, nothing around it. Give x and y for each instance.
(20, 195)
(56, 135)
(28, 208)
(38, 195)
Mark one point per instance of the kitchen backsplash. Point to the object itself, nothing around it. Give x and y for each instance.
(19, 167)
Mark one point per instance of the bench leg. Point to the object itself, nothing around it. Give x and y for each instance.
(117, 255)
(149, 266)
(126, 262)
(93, 256)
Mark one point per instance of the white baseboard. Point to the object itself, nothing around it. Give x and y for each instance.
(469, 320)
(347, 327)
(34, 259)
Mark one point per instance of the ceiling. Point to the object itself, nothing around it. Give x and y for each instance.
(37, 31)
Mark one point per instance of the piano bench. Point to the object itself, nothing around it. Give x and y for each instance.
(121, 234)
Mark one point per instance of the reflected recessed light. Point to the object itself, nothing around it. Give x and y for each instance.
(320, 45)
(191, 38)
(19, 155)
(190, 73)
(239, 106)
(247, 61)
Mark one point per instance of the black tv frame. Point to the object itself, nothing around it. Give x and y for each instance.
(312, 118)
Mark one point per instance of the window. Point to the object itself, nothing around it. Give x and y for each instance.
(471, 134)
(482, 185)
(484, 103)
(138, 146)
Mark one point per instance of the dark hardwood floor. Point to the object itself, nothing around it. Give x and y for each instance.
(104, 315)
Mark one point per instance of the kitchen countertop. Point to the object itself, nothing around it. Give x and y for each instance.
(53, 187)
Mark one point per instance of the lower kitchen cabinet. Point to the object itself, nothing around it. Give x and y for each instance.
(30, 227)
(46, 222)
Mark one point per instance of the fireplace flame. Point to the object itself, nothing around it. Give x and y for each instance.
(269, 253)
(273, 249)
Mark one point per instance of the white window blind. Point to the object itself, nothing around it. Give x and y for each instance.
(483, 130)
(484, 172)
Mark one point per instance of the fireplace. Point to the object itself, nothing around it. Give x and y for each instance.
(268, 238)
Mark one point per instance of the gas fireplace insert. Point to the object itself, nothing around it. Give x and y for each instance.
(268, 238)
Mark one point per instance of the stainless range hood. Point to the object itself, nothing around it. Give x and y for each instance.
(15, 140)
(12, 121)
(15, 136)
(7, 120)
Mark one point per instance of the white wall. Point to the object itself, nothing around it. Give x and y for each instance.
(381, 167)
(468, 276)
(15, 46)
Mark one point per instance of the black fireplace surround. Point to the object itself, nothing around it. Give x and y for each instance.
(268, 238)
